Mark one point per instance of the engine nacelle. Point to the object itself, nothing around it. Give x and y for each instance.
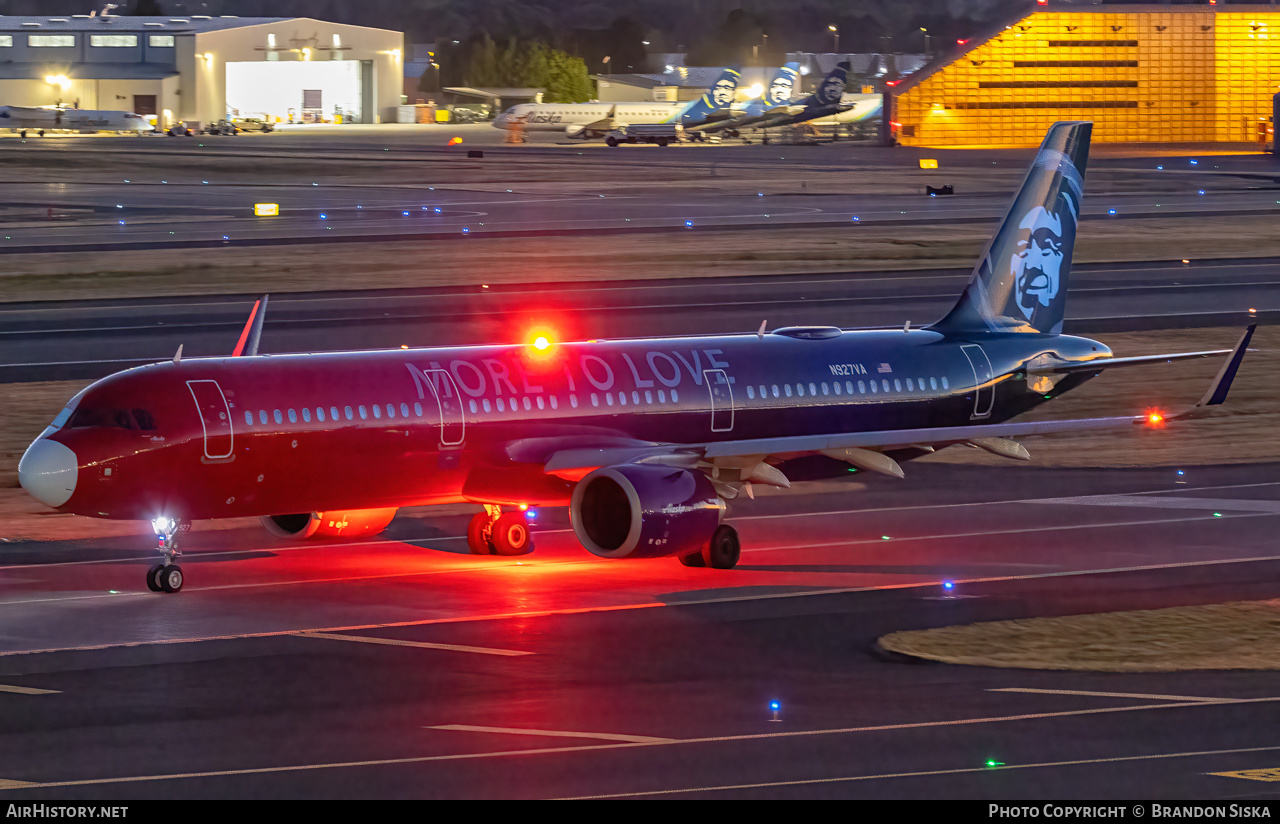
(644, 511)
(575, 131)
(336, 523)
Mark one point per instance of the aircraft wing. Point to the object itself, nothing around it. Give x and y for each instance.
(734, 465)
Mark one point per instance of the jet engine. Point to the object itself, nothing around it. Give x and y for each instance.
(644, 511)
(336, 523)
(578, 130)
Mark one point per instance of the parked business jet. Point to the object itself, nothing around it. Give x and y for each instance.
(35, 118)
(593, 120)
(644, 440)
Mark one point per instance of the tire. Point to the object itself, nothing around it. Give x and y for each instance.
(662, 141)
(475, 535)
(153, 578)
(693, 559)
(171, 578)
(511, 535)
(722, 551)
(612, 141)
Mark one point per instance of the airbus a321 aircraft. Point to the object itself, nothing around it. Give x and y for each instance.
(82, 120)
(644, 440)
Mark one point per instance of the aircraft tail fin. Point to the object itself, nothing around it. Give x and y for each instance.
(719, 98)
(1020, 282)
(782, 85)
(831, 89)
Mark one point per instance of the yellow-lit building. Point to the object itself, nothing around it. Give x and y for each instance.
(1144, 74)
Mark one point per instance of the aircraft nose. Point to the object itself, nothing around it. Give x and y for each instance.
(48, 472)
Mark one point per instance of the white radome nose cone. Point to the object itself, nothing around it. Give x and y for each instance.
(48, 472)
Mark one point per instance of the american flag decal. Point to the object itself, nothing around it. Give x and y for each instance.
(884, 367)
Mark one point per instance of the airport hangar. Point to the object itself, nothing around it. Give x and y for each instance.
(1142, 74)
(200, 69)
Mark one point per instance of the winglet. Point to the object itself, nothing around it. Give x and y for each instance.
(1222, 384)
(252, 333)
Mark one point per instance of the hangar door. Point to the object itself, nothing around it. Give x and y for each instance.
(305, 90)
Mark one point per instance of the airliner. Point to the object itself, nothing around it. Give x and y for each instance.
(775, 98)
(592, 120)
(826, 101)
(21, 118)
(857, 108)
(648, 442)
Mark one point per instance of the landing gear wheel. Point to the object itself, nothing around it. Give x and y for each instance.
(511, 535)
(171, 578)
(476, 542)
(612, 141)
(693, 559)
(722, 551)
(153, 578)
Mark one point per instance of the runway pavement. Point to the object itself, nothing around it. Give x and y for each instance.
(79, 339)
(401, 667)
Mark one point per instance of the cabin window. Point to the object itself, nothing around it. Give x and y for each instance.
(848, 387)
(675, 396)
(910, 386)
(484, 402)
(622, 398)
(502, 407)
(884, 384)
(553, 401)
(813, 390)
(262, 416)
(786, 388)
(836, 387)
(473, 407)
(293, 416)
(826, 390)
(648, 396)
(933, 383)
(594, 400)
(541, 403)
(417, 408)
(391, 411)
(897, 385)
(527, 405)
(635, 398)
(919, 383)
(800, 390)
(278, 417)
(377, 411)
(320, 413)
(874, 388)
(404, 410)
(248, 418)
(306, 415)
(662, 396)
(573, 401)
(333, 412)
(775, 390)
(608, 399)
(347, 410)
(751, 393)
(944, 382)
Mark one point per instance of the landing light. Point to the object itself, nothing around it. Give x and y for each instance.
(454, 141)
(1155, 419)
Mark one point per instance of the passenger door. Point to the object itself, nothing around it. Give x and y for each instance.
(984, 393)
(215, 417)
(721, 392)
(449, 402)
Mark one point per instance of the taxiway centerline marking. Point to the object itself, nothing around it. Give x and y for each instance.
(10, 784)
(27, 690)
(926, 773)
(607, 736)
(333, 636)
(672, 743)
(1116, 695)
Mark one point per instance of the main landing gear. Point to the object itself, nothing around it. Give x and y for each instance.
(721, 552)
(494, 532)
(167, 576)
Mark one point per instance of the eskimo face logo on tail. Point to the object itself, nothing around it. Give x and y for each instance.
(832, 88)
(781, 89)
(1040, 252)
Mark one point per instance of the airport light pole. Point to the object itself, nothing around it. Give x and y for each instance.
(836, 34)
(608, 69)
(926, 40)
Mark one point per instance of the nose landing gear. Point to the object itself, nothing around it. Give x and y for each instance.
(494, 532)
(167, 576)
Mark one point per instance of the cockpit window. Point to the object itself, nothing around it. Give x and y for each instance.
(89, 416)
(144, 419)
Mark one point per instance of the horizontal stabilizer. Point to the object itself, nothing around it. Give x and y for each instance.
(1111, 363)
